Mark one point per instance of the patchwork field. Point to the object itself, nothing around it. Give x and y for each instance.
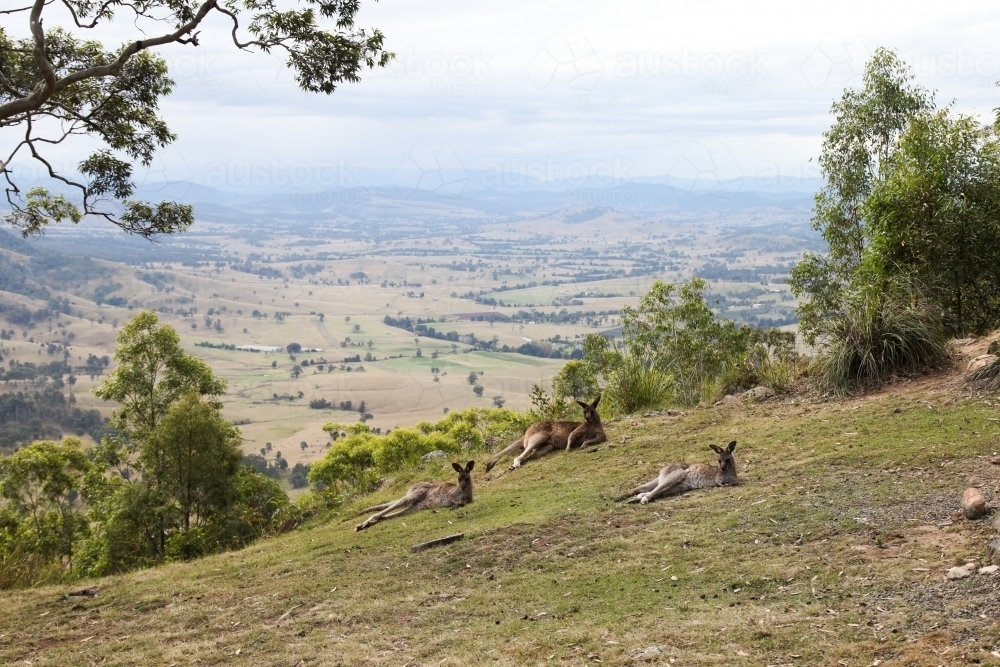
(534, 288)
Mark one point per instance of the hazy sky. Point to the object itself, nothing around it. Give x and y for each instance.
(567, 90)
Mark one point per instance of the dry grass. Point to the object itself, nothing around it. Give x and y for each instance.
(832, 552)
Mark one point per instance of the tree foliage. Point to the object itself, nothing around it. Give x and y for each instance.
(56, 86)
(194, 456)
(674, 350)
(357, 460)
(152, 373)
(911, 202)
(936, 217)
(855, 154)
(42, 517)
(171, 485)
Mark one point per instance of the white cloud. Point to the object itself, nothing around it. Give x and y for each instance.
(589, 82)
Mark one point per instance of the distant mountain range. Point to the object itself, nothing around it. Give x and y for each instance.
(459, 199)
(425, 202)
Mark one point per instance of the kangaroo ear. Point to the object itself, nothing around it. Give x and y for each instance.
(457, 467)
(469, 466)
(732, 446)
(717, 450)
(596, 401)
(582, 405)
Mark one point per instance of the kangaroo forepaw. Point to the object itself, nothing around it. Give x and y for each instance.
(363, 525)
(515, 465)
(643, 498)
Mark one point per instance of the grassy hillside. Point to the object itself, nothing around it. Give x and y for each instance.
(832, 552)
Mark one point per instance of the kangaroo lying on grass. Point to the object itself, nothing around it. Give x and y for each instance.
(423, 496)
(679, 478)
(544, 437)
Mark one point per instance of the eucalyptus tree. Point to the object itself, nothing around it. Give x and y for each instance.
(58, 84)
(936, 217)
(856, 152)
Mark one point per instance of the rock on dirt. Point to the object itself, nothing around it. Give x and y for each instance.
(973, 503)
(989, 569)
(962, 572)
(436, 455)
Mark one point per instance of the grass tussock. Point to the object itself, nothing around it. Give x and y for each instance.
(986, 377)
(880, 333)
(635, 385)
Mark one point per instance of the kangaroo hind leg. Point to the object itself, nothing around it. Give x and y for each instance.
(518, 444)
(664, 485)
(642, 488)
(531, 444)
(375, 518)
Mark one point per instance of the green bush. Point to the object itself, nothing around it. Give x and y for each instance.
(356, 462)
(674, 349)
(881, 331)
(42, 517)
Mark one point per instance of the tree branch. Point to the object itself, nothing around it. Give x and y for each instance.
(49, 85)
(19, 9)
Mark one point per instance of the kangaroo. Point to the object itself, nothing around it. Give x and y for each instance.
(679, 478)
(423, 496)
(544, 437)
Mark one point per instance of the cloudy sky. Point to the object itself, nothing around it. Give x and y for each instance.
(566, 90)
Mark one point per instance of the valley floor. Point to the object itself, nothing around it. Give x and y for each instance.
(832, 552)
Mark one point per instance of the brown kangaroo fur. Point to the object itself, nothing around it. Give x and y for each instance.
(544, 437)
(425, 495)
(682, 477)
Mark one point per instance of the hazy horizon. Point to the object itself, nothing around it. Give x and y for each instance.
(713, 93)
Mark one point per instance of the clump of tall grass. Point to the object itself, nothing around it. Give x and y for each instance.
(987, 377)
(636, 385)
(879, 333)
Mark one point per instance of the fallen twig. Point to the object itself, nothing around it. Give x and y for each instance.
(438, 542)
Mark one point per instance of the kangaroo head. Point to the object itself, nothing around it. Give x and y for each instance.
(727, 463)
(464, 475)
(590, 411)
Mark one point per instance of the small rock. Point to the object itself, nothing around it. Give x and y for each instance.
(996, 522)
(731, 399)
(989, 569)
(436, 455)
(961, 572)
(973, 503)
